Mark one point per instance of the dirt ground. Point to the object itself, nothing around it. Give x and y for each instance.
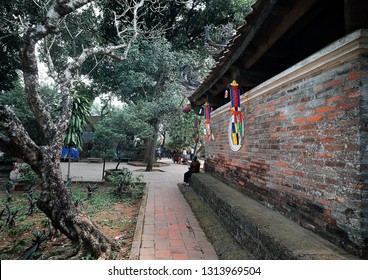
(115, 216)
(227, 248)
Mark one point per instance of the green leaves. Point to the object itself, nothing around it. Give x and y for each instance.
(82, 103)
(185, 20)
(40, 237)
(127, 184)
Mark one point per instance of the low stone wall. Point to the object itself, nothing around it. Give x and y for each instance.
(263, 232)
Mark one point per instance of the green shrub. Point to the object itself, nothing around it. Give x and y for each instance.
(127, 184)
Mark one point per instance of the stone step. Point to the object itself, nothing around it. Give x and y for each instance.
(265, 233)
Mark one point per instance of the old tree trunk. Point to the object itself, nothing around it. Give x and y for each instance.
(55, 200)
(151, 145)
(56, 203)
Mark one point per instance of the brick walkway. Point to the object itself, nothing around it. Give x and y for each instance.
(166, 226)
(170, 230)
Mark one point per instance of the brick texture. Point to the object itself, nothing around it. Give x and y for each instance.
(305, 153)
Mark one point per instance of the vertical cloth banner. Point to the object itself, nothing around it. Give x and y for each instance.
(207, 122)
(236, 114)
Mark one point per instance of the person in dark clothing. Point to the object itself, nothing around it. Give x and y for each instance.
(193, 168)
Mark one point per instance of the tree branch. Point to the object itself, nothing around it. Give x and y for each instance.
(128, 37)
(57, 11)
(14, 139)
(50, 63)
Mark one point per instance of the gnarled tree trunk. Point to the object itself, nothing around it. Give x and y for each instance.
(55, 200)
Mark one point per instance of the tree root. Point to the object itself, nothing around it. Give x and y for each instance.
(65, 253)
(77, 251)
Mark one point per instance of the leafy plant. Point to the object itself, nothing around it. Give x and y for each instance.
(8, 186)
(138, 186)
(78, 202)
(79, 196)
(4, 157)
(10, 221)
(87, 257)
(127, 184)
(32, 201)
(91, 188)
(69, 183)
(52, 233)
(1, 216)
(82, 101)
(29, 175)
(2, 213)
(40, 237)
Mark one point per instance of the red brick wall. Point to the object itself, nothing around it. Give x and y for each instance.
(305, 153)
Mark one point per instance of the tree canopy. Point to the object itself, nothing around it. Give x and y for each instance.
(185, 20)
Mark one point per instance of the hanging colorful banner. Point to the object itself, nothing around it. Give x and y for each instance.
(207, 122)
(236, 130)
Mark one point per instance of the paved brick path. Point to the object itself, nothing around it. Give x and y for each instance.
(166, 227)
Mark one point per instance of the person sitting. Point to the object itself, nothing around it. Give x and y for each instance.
(194, 167)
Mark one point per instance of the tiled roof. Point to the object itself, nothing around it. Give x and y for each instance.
(277, 35)
(243, 36)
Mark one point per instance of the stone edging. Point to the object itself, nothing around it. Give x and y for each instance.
(137, 238)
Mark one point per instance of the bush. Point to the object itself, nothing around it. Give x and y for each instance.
(127, 184)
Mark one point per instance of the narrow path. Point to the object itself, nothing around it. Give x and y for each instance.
(167, 228)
